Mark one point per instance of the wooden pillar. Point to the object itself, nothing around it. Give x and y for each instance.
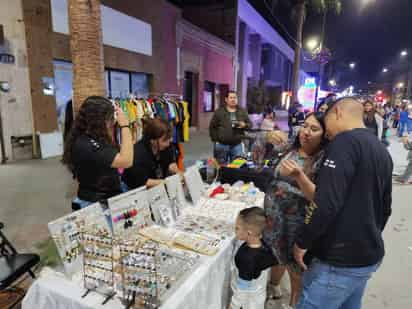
(87, 50)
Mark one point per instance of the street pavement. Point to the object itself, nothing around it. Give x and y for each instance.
(37, 191)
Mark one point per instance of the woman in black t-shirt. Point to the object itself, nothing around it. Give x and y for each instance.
(154, 157)
(90, 153)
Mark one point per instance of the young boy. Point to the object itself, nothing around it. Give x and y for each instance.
(249, 279)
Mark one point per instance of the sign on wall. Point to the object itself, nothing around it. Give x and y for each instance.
(119, 30)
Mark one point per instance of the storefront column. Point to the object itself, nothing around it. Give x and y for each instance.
(86, 49)
(256, 56)
(243, 59)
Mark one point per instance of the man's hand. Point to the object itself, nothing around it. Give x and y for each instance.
(289, 168)
(241, 124)
(299, 253)
(277, 137)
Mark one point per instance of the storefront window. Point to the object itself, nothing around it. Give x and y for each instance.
(209, 97)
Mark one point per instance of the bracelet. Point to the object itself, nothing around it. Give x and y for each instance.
(126, 126)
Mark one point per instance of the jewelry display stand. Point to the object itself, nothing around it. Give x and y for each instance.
(176, 193)
(150, 272)
(66, 233)
(98, 264)
(130, 212)
(194, 183)
(161, 206)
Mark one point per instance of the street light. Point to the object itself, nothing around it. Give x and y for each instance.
(385, 70)
(312, 44)
(332, 82)
(352, 65)
(369, 83)
(404, 53)
(401, 85)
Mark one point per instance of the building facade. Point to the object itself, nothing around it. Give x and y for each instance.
(148, 49)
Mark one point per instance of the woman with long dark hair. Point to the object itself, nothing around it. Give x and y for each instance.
(155, 158)
(289, 195)
(373, 121)
(91, 154)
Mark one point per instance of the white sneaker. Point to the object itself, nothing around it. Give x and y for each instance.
(275, 291)
(284, 306)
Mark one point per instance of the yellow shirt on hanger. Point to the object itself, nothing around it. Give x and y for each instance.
(186, 134)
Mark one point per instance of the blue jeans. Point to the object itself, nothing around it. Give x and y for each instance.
(227, 153)
(82, 203)
(329, 287)
(403, 125)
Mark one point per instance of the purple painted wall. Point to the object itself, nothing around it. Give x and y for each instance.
(170, 14)
(216, 68)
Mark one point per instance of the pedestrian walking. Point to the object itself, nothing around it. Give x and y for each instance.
(405, 178)
(373, 120)
(403, 121)
(344, 223)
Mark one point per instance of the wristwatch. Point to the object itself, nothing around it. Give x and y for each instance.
(126, 126)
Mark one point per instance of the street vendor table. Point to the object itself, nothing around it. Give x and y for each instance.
(261, 178)
(207, 287)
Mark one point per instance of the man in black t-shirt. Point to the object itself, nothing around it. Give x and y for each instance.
(344, 223)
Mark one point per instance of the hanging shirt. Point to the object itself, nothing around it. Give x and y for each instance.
(186, 121)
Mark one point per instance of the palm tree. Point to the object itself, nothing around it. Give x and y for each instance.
(299, 12)
(86, 49)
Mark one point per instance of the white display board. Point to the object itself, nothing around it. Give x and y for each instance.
(66, 233)
(161, 206)
(119, 30)
(176, 192)
(194, 183)
(129, 212)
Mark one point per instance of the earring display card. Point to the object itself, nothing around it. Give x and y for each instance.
(98, 263)
(194, 183)
(152, 272)
(130, 212)
(176, 193)
(213, 208)
(161, 206)
(205, 226)
(66, 233)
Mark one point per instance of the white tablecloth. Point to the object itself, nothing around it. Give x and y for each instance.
(206, 288)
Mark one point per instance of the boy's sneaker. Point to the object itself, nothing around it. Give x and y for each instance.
(275, 291)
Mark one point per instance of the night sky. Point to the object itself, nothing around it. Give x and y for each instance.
(372, 36)
(371, 33)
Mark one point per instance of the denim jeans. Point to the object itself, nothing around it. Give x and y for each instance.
(227, 153)
(82, 203)
(329, 287)
(403, 125)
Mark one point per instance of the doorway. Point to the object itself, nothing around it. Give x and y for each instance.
(190, 95)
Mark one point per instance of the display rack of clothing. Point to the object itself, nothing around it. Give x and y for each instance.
(169, 107)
